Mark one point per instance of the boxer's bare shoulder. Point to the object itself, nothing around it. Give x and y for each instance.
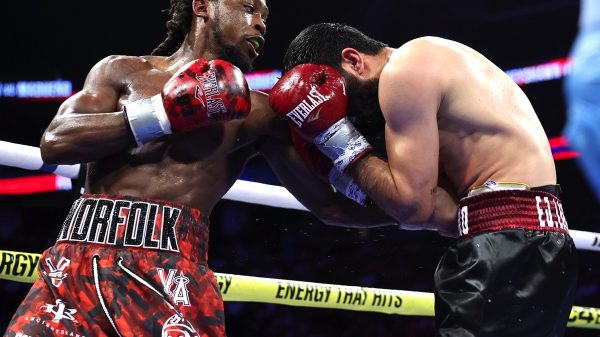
(119, 66)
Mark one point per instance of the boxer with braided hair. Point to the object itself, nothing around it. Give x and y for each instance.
(178, 25)
(164, 137)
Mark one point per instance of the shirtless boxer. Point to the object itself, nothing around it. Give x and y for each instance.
(131, 257)
(431, 111)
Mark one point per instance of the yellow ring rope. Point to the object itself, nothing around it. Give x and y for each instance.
(21, 267)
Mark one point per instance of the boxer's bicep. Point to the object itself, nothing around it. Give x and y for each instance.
(100, 91)
(409, 103)
(87, 125)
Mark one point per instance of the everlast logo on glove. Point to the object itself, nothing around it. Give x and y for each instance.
(144, 224)
(210, 87)
(313, 98)
(299, 113)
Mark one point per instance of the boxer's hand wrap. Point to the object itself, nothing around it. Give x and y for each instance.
(343, 144)
(313, 98)
(200, 93)
(323, 168)
(147, 119)
(344, 184)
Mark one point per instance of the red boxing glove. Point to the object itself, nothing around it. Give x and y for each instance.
(200, 93)
(314, 99)
(323, 168)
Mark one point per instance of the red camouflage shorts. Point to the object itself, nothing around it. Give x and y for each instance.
(124, 266)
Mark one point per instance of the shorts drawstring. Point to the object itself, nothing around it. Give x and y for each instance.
(100, 298)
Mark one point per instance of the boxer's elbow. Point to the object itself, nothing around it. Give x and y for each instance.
(336, 216)
(53, 149)
(337, 219)
(356, 222)
(350, 214)
(411, 209)
(48, 149)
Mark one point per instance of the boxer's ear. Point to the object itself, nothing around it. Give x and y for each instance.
(200, 8)
(353, 61)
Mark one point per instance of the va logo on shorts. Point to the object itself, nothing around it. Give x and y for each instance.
(57, 273)
(175, 286)
(176, 326)
(60, 311)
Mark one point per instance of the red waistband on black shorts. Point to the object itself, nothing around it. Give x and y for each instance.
(493, 211)
(131, 222)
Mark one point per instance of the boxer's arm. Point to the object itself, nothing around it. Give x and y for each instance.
(445, 208)
(443, 219)
(86, 127)
(405, 185)
(330, 207)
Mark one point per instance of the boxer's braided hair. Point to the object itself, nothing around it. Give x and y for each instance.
(180, 21)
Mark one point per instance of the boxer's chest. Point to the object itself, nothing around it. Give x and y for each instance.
(142, 84)
(227, 143)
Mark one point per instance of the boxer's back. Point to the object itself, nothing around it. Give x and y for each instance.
(196, 168)
(488, 128)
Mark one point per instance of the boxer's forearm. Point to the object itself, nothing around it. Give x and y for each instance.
(444, 213)
(79, 138)
(317, 196)
(401, 201)
(86, 127)
(341, 211)
(331, 208)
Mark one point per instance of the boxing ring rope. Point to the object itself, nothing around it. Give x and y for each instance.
(28, 157)
(20, 267)
(239, 288)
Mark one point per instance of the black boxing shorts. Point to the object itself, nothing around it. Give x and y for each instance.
(513, 270)
(124, 266)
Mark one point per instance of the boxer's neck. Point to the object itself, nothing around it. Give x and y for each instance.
(197, 44)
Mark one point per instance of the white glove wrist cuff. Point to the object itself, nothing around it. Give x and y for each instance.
(342, 143)
(147, 119)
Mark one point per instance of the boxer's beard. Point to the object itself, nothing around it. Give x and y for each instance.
(364, 111)
(231, 53)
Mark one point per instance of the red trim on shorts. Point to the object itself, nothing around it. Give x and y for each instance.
(494, 211)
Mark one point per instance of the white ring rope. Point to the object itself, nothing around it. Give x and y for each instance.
(28, 157)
